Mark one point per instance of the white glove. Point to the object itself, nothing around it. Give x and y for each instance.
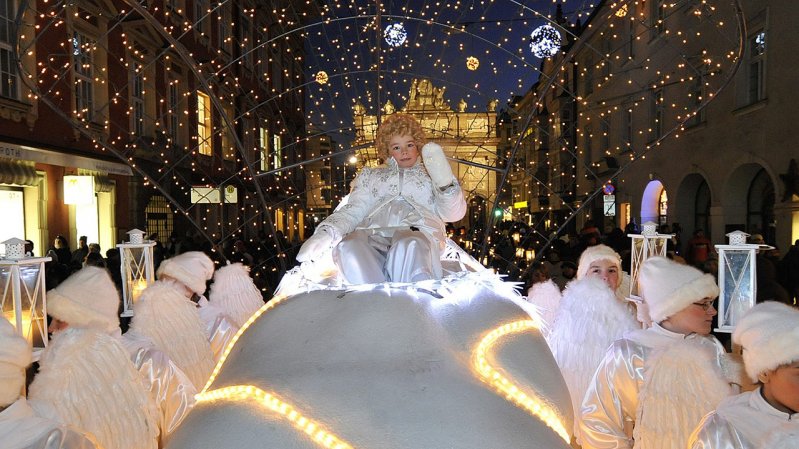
(437, 165)
(319, 242)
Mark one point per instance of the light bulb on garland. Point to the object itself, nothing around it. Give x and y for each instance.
(395, 34)
(545, 41)
(472, 63)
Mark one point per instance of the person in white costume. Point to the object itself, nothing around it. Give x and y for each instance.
(20, 427)
(592, 314)
(392, 227)
(546, 296)
(768, 417)
(235, 294)
(171, 390)
(190, 271)
(166, 315)
(85, 377)
(654, 385)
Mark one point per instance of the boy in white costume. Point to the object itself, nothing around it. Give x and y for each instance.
(654, 385)
(85, 377)
(166, 314)
(760, 419)
(592, 314)
(393, 225)
(20, 427)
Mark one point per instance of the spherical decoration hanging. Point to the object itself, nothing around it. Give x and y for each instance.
(395, 34)
(472, 63)
(321, 77)
(545, 41)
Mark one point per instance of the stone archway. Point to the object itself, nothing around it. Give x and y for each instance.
(650, 201)
(748, 200)
(692, 205)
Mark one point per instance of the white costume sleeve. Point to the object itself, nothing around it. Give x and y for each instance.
(608, 409)
(715, 432)
(360, 203)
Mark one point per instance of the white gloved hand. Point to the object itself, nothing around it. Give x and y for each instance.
(437, 165)
(319, 242)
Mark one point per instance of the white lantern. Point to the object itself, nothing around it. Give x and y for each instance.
(737, 279)
(24, 297)
(645, 245)
(136, 267)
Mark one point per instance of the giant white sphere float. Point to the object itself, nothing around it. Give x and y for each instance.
(457, 362)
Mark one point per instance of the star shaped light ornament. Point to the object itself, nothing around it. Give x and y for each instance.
(545, 41)
(472, 63)
(395, 34)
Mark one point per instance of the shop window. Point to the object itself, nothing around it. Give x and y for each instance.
(204, 131)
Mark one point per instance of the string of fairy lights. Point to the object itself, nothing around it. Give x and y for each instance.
(223, 94)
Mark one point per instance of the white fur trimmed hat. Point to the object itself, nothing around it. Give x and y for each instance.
(191, 269)
(87, 298)
(15, 356)
(594, 253)
(668, 287)
(769, 335)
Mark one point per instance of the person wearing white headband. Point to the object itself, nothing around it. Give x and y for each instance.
(85, 374)
(768, 417)
(654, 385)
(592, 314)
(20, 426)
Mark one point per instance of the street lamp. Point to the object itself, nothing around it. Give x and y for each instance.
(136, 267)
(645, 245)
(24, 299)
(737, 279)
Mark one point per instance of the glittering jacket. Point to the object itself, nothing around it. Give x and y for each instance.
(610, 405)
(375, 188)
(744, 421)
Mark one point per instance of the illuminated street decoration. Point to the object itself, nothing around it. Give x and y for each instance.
(395, 34)
(545, 41)
(472, 63)
(321, 77)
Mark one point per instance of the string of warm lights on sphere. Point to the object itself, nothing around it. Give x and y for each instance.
(249, 118)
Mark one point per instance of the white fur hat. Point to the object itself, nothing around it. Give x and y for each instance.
(15, 356)
(87, 298)
(191, 269)
(769, 335)
(234, 291)
(594, 253)
(668, 287)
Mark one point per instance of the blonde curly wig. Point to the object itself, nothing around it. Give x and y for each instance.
(398, 125)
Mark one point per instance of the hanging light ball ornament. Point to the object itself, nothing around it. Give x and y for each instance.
(472, 63)
(395, 34)
(545, 41)
(321, 77)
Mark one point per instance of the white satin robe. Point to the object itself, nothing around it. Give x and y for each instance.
(607, 414)
(219, 327)
(399, 219)
(744, 421)
(22, 428)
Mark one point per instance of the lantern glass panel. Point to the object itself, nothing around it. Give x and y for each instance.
(31, 307)
(738, 289)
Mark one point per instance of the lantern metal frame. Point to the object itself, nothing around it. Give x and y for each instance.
(649, 243)
(24, 296)
(136, 268)
(733, 277)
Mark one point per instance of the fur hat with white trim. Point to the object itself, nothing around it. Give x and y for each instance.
(15, 356)
(234, 291)
(769, 335)
(668, 287)
(87, 298)
(594, 253)
(191, 269)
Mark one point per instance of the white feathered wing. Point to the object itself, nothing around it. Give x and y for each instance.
(87, 380)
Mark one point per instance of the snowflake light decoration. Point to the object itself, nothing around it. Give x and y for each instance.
(321, 77)
(545, 41)
(395, 34)
(472, 63)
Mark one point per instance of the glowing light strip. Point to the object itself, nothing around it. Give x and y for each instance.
(535, 405)
(273, 403)
(269, 305)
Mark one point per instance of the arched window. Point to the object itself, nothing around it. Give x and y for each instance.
(760, 207)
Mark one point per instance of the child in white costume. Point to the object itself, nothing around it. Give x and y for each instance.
(20, 427)
(85, 377)
(592, 314)
(769, 336)
(393, 225)
(654, 385)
